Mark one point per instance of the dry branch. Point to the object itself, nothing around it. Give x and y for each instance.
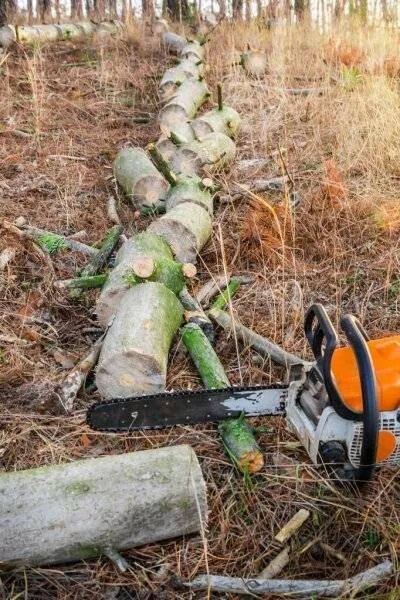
(292, 526)
(264, 346)
(294, 588)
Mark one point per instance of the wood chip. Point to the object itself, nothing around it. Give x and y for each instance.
(292, 526)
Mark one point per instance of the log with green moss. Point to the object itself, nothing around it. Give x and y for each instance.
(223, 119)
(83, 283)
(226, 295)
(237, 435)
(87, 508)
(134, 355)
(87, 274)
(145, 256)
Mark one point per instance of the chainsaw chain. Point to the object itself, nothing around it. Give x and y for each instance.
(183, 393)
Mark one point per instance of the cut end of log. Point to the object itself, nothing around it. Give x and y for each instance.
(189, 270)
(143, 267)
(252, 461)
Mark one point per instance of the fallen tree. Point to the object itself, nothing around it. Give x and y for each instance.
(87, 508)
(29, 34)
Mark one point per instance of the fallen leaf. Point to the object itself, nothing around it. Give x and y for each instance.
(85, 440)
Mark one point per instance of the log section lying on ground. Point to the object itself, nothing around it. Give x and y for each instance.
(223, 119)
(86, 508)
(27, 34)
(142, 183)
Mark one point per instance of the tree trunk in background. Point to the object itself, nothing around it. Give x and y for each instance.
(29, 7)
(148, 9)
(222, 9)
(112, 9)
(364, 11)
(338, 10)
(248, 10)
(89, 9)
(237, 9)
(44, 10)
(385, 11)
(177, 9)
(259, 9)
(3, 13)
(76, 9)
(99, 9)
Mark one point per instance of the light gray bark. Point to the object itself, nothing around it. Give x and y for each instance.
(142, 245)
(193, 51)
(186, 228)
(134, 355)
(86, 508)
(293, 588)
(185, 103)
(225, 121)
(214, 151)
(254, 62)
(189, 189)
(173, 43)
(139, 178)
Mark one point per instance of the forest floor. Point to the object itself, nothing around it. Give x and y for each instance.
(65, 110)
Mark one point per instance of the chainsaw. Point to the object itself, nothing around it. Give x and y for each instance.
(344, 407)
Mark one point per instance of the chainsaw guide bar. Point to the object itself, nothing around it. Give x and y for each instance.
(186, 407)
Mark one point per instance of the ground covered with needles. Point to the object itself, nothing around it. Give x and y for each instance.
(65, 110)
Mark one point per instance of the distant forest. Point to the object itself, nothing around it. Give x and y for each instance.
(320, 11)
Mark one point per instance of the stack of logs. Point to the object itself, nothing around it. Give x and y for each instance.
(144, 293)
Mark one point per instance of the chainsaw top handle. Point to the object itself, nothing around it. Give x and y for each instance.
(324, 340)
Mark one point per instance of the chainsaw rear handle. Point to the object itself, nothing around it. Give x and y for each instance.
(357, 339)
(324, 340)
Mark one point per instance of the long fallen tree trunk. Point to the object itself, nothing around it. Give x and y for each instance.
(28, 34)
(90, 507)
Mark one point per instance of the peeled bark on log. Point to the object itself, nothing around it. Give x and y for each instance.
(185, 103)
(193, 51)
(189, 189)
(139, 178)
(173, 43)
(86, 508)
(215, 150)
(225, 120)
(254, 62)
(186, 228)
(133, 359)
(121, 278)
(300, 588)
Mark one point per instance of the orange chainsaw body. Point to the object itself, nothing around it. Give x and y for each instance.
(385, 354)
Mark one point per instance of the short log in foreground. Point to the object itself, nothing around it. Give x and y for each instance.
(90, 507)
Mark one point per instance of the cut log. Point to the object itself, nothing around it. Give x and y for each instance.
(193, 51)
(225, 120)
(185, 103)
(122, 277)
(215, 150)
(192, 68)
(86, 508)
(133, 359)
(173, 43)
(254, 62)
(7, 36)
(186, 228)
(241, 445)
(167, 148)
(160, 26)
(138, 177)
(237, 435)
(175, 76)
(226, 295)
(189, 189)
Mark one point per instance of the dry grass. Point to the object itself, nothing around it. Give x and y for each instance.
(63, 115)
